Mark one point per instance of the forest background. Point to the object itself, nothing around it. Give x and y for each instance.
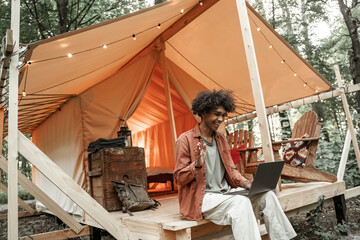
(325, 33)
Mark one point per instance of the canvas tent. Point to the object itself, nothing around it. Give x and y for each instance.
(71, 101)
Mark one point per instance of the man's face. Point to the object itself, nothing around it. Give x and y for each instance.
(214, 118)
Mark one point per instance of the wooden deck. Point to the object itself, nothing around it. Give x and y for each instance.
(166, 222)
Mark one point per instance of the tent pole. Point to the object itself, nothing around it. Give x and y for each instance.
(344, 156)
(13, 125)
(168, 95)
(296, 103)
(255, 80)
(348, 117)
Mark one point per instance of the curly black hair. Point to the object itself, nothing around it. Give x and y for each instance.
(207, 101)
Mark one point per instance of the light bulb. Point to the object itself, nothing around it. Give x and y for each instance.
(270, 46)
(282, 61)
(24, 93)
(182, 11)
(159, 25)
(201, 3)
(305, 84)
(316, 91)
(258, 29)
(69, 55)
(104, 46)
(295, 74)
(134, 37)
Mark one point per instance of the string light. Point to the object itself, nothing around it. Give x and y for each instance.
(24, 93)
(159, 26)
(282, 60)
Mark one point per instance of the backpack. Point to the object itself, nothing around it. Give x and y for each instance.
(133, 197)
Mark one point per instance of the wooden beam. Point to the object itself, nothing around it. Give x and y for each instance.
(23, 204)
(255, 80)
(58, 235)
(44, 199)
(165, 74)
(8, 45)
(352, 192)
(13, 124)
(173, 29)
(344, 156)
(187, 18)
(348, 116)
(296, 103)
(70, 188)
(20, 215)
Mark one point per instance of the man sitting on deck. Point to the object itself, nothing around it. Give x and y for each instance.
(204, 171)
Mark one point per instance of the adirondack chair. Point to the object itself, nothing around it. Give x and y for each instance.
(307, 124)
(240, 141)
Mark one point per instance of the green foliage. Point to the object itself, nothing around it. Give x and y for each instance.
(22, 194)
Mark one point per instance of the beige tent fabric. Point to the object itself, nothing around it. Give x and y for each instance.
(61, 138)
(211, 50)
(106, 104)
(185, 85)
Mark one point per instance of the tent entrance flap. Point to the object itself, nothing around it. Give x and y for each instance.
(150, 123)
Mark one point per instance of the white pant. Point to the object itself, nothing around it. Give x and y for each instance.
(240, 211)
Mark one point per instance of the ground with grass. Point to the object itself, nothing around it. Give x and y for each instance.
(318, 224)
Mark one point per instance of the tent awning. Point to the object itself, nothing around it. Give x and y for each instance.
(207, 52)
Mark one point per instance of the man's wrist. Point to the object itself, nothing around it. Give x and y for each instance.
(197, 166)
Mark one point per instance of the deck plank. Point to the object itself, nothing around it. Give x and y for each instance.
(165, 221)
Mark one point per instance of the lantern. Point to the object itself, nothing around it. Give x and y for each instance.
(124, 131)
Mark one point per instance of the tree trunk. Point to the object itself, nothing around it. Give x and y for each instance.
(317, 107)
(62, 7)
(285, 125)
(352, 27)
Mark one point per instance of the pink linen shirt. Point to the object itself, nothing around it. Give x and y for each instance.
(191, 181)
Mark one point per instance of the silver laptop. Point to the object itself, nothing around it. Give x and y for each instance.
(266, 177)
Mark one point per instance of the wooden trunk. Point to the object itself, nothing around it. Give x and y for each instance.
(110, 164)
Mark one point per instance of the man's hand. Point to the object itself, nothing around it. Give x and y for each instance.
(202, 155)
(247, 184)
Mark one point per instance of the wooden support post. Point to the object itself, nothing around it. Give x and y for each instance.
(184, 234)
(344, 156)
(13, 125)
(255, 80)
(58, 235)
(95, 233)
(168, 95)
(1, 132)
(44, 199)
(348, 116)
(69, 187)
(340, 209)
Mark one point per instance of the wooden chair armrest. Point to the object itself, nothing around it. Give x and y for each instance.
(296, 140)
(280, 143)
